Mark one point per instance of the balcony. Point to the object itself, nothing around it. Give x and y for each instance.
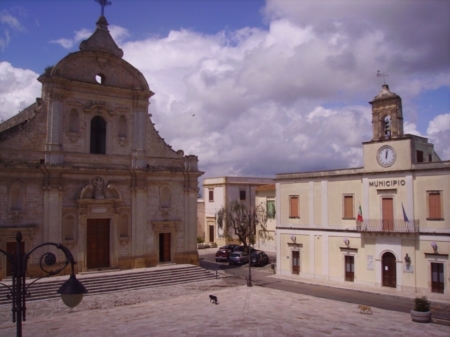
(388, 226)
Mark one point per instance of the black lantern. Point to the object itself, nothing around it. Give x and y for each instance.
(71, 291)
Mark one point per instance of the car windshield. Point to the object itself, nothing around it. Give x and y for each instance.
(235, 255)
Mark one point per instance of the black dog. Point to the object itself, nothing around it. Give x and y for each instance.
(213, 299)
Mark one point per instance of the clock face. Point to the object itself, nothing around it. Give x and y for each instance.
(386, 156)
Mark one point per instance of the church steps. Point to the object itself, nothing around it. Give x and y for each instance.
(96, 284)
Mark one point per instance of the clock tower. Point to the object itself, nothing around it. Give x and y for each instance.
(390, 149)
(387, 115)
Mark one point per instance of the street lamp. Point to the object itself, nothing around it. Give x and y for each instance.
(71, 291)
(250, 231)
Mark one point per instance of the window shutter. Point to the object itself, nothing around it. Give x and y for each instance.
(434, 199)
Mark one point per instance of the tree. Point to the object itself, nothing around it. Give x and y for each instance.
(237, 219)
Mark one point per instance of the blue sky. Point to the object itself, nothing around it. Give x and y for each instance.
(276, 86)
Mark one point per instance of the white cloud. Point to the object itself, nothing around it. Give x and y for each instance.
(8, 22)
(293, 97)
(439, 134)
(119, 34)
(18, 89)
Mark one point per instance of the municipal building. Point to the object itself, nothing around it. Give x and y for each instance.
(386, 224)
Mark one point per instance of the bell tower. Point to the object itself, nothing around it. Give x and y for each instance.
(387, 115)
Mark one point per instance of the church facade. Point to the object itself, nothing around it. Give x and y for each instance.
(85, 166)
(385, 224)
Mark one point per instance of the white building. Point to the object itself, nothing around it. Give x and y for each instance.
(218, 192)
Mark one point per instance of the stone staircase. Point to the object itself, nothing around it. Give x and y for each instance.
(103, 282)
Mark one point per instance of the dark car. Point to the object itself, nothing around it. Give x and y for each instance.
(224, 252)
(259, 258)
(242, 248)
(238, 258)
(222, 255)
(230, 247)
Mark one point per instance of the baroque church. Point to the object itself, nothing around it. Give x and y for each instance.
(84, 166)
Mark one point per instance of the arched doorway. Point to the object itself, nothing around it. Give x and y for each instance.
(389, 270)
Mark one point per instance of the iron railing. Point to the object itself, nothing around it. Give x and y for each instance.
(389, 226)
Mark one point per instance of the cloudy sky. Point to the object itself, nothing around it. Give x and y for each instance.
(275, 86)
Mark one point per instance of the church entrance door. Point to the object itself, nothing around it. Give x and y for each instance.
(164, 247)
(97, 243)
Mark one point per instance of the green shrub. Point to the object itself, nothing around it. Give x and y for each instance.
(200, 239)
(421, 304)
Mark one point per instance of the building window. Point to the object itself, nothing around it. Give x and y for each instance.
(348, 207)
(74, 121)
(430, 158)
(419, 155)
(293, 206)
(435, 205)
(16, 196)
(242, 195)
(123, 226)
(98, 135)
(211, 195)
(122, 126)
(69, 228)
(270, 206)
(349, 268)
(437, 278)
(165, 197)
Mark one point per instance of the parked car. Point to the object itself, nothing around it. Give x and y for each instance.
(241, 249)
(238, 258)
(222, 255)
(259, 258)
(230, 247)
(224, 252)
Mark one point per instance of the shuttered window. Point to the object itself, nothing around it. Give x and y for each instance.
(348, 207)
(434, 205)
(294, 207)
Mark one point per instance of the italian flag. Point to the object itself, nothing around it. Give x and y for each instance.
(360, 217)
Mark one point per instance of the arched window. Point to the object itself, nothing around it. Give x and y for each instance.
(74, 121)
(387, 126)
(165, 197)
(98, 135)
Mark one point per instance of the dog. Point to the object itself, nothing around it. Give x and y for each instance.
(365, 309)
(213, 299)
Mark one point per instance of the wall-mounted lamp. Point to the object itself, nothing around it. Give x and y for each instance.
(434, 246)
(346, 242)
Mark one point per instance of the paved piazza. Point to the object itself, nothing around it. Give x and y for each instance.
(186, 311)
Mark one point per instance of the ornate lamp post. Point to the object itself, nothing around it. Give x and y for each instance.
(71, 291)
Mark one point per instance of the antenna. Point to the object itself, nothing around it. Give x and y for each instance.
(380, 74)
(103, 4)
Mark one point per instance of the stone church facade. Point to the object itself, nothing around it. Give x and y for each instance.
(85, 166)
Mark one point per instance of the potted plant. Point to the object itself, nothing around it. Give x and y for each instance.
(421, 312)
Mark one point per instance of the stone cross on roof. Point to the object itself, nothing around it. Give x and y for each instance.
(103, 4)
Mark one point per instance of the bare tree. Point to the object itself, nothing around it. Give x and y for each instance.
(239, 220)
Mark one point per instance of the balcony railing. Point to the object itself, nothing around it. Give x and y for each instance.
(388, 226)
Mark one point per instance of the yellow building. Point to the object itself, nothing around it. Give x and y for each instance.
(382, 225)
